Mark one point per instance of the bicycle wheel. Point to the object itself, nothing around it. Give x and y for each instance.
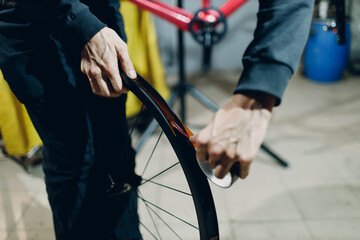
(171, 177)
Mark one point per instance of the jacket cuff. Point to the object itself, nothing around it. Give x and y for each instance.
(80, 28)
(271, 78)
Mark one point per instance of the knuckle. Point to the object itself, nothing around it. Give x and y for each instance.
(106, 94)
(245, 160)
(117, 90)
(237, 157)
(106, 66)
(214, 153)
(123, 48)
(95, 72)
(85, 69)
(201, 141)
(230, 156)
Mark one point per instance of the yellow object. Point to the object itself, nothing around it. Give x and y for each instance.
(16, 128)
(143, 51)
(15, 125)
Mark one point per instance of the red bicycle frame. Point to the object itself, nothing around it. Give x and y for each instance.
(182, 18)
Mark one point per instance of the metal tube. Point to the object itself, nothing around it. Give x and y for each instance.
(230, 6)
(175, 15)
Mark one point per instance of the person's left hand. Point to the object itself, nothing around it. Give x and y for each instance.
(99, 61)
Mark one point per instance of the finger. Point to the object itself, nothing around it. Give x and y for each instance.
(113, 93)
(202, 155)
(202, 147)
(85, 68)
(227, 161)
(113, 74)
(193, 138)
(203, 141)
(111, 70)
(85, 62)
(94, 86)
(230, 152)
(222, 169)
(245, 155)
(244, 168)
(96, 76)
(126, 63)
(216, 152)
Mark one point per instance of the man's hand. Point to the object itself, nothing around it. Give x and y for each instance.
(99, 61)
(234, 134)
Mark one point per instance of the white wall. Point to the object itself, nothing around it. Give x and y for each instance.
(226, 54)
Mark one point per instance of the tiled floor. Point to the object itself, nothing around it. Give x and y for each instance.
(316, 129)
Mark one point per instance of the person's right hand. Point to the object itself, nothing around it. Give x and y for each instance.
(234, 134)
(99, 61)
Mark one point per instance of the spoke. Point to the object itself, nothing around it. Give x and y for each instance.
(174, 216)
(160, 173)
(148, 230)
(161, 218)
(152, 153)
(174, 189)
(152, 219)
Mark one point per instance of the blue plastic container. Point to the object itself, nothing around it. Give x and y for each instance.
(324, 59)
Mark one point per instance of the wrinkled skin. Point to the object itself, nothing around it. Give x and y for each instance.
(234, 134)
(99, 61)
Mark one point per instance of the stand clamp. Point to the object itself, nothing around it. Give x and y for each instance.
(208, 27)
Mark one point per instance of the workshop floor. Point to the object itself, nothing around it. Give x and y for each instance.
(316, 130)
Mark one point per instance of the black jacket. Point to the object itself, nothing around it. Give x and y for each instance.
(74, 22)
(272, 57)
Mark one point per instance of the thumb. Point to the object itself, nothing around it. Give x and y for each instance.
(126, 63)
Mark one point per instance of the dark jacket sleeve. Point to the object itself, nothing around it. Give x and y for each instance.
(69, 21)
(279, 39)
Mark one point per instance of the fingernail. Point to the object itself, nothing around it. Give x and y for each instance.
(244, 175)
(131, 74)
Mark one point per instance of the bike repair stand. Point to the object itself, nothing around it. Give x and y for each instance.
(204, 32)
